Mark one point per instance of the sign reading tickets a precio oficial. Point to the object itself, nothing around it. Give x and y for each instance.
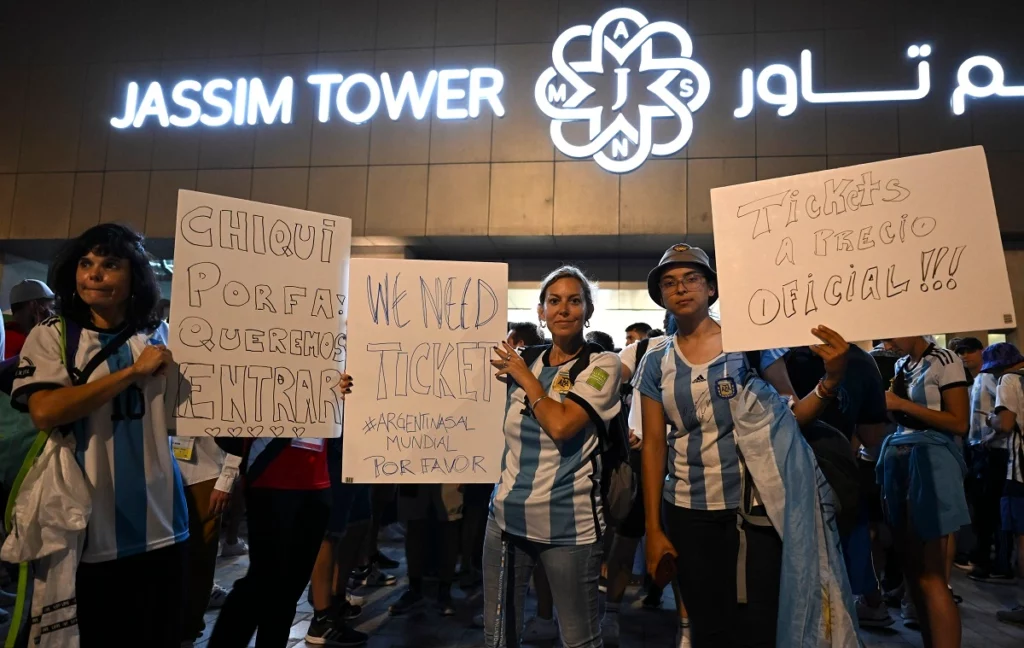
(426, 405)
(902, 247)
(257, 323)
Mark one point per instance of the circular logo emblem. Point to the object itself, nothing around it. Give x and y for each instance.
(620, 140)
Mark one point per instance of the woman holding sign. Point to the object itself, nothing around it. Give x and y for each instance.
(547, 508)
(109, 393)
(690, 384)
(922, 473)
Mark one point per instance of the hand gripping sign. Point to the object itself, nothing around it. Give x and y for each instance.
(562, 91)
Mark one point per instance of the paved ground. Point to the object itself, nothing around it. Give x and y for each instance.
(640, 628)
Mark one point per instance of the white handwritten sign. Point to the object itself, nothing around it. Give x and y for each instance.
(901, 247)
(258, 318)
(426, 406)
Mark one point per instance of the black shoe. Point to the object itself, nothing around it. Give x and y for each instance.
(406, 603)
(653, 599)
(384, 562)
(1003, 579)
(334, 635)
(445, 605)
(348, 612)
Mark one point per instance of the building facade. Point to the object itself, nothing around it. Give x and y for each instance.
(424, 121)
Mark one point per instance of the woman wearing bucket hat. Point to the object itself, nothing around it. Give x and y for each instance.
(921, 470)
(1007, 363)
(689, 384)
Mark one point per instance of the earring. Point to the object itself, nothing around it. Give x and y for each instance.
(542, 325)
(586, 324)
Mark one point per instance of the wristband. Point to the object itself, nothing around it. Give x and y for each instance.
(822, 393)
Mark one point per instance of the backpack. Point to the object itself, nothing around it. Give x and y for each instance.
(627, 387)
(618, 481)
(832, 452)
(23, 442)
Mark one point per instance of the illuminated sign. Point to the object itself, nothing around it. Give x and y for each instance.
(681, 87)
(455, 94)
(618, 91)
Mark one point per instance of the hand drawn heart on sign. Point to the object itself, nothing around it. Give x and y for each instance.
(212, 431)
(298, 431)
(277, 430)
(255, 430)
(234, 431)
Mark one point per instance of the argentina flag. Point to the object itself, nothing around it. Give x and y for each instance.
(816, 607)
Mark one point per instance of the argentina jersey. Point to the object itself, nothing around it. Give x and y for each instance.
(936, 371)
(1010, 396)
(138, 501)
(703, 465)
(550, 492)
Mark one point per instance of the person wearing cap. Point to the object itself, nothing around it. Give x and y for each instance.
(922, 470)
(1005, 361)
(31, 303)
(690, 383)
(987, 456)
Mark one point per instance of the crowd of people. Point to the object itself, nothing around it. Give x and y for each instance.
(905, 446)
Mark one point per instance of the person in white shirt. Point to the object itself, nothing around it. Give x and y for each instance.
(986, 456)
(1007, 363)
(209, 476)
(132, 571)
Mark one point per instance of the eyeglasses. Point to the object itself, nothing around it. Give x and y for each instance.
(690, 282)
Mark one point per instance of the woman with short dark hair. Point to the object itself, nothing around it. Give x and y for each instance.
(110, 396)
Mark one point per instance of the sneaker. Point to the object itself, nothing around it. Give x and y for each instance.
(445, 605)
(540, 630)
(384, 561)
(333, 635)
(956, 597)
(478, 620)
(232, 550)
(983, 576)
(963, 565)
(1016, 615)
(909, 614)
(406, 603)
(376, 578)
(470, 579)
(893, 598)
(348, 612)
(610, 629)
(683, 636)
(653, 599)
(873, 617)
(355, 599)
(217, 597)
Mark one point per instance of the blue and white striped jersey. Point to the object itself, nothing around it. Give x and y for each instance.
(138, 501)
(550, 492)
(1010, 396)
(704, 467)
(983, 401)
(936, 371)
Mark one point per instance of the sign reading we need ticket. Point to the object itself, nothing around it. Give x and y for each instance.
(257, 323)
(426, 406)
(901, 247)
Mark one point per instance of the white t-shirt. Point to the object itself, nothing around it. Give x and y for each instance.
(628, 358)
(550, 492)
(1010, 396)
(207, 461)
(936, 371)
(138, 501)
(983, 401)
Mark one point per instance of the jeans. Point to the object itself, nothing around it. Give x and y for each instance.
(989, 468)
(572, 570)
(286, 528)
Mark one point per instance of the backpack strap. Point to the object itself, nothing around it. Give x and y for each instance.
(583, 359)
(531, 353)
(641, 350)
(754, 360)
